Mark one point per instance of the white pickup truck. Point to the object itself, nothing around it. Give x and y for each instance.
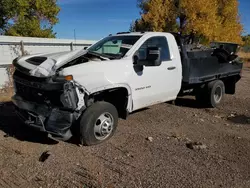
(86, 91)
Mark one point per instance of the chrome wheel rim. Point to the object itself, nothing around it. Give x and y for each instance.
(104, 126)
(218, 94)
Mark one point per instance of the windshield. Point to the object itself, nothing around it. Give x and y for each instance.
(114, 46)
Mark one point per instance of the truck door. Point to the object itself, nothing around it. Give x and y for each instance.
(155, 84)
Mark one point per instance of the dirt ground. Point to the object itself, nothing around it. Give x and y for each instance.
(129, 159)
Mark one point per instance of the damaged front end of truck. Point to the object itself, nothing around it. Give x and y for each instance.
(44, 99)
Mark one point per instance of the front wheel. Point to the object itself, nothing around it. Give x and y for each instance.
(98, 123)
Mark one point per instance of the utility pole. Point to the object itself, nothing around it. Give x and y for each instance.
(75, 35)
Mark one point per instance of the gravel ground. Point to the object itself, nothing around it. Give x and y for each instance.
(150, 149)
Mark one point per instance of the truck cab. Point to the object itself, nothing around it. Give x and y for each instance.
(88, 90)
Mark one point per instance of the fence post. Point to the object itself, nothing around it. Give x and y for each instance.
(22, 48)
(71, 46)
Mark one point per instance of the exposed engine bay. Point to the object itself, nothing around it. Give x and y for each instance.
(46, 65)
(84, 59)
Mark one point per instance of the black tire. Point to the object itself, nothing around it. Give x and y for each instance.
(206, 96)
(216, 92)
(91, 119)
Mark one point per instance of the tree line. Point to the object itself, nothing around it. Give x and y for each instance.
(209, 20)
(31, 18)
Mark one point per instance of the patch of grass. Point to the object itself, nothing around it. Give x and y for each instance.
(6, 93)
(5, 98)
(244, 55)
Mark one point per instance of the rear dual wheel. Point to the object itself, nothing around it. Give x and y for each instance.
(212, 95)
(217, 92)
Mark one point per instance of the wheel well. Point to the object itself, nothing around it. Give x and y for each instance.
(116, 96)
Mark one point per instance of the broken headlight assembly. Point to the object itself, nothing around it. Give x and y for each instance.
(73, 95)
(69, 97)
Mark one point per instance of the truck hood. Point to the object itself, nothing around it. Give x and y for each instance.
(44, 65)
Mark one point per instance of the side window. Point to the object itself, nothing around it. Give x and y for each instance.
(160, 42)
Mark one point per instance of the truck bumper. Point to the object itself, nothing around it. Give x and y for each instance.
(44, 118)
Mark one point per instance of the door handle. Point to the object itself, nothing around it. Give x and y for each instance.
(171, 68)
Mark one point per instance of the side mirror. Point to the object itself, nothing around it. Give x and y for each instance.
(85, 48)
